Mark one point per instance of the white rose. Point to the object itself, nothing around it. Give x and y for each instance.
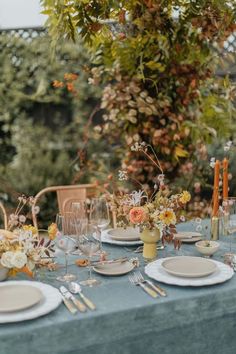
(19, 260)
(6, 259)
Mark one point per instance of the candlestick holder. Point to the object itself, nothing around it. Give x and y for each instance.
(225, 223)
(215, 228)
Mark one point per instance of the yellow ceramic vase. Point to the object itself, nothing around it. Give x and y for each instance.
(150, 239)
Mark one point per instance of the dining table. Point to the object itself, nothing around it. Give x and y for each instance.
(189, 320)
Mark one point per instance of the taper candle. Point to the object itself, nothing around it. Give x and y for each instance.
(216, 188)
(225, 178)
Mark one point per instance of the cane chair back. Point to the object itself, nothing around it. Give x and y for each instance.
(65, 196)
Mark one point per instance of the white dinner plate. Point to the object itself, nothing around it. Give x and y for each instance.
(189, 267)
(106, 238)
(120, 234)
(114, 269)
(18, 297)
(155, 271)
(51, 299)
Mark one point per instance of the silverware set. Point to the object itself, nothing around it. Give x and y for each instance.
(72, 303)
(148, 286)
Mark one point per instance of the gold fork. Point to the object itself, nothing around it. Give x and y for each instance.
(134, 280)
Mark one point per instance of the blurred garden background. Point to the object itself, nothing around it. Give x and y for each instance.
(77, 93)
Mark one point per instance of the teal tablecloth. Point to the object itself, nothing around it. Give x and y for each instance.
(128, 321)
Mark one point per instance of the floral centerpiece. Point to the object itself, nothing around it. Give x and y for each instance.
(21, 247)
(155, 214)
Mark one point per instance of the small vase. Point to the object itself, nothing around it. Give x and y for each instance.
(150, 239)
(3, 273)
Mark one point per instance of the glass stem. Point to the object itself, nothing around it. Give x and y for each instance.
(100, 238)
(90, 269)
(230, 243)
(66, 262)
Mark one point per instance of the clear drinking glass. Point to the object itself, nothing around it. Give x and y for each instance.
(80, 211)
(89, 243)
(229, 220)
(66, 241)
(99, 214)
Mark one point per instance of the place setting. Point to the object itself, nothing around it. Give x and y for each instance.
(26, 300)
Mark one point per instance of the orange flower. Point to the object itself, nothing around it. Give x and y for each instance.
(70, 76)
(14, 271)
(137, 215)
(70, 87)
(57, 84)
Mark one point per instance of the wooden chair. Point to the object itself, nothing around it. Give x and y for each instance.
(65, 196)
(4, 214)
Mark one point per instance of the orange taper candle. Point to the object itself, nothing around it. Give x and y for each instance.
(216, 188)
(225, 178)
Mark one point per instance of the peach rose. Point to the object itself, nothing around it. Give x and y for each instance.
(137, 215)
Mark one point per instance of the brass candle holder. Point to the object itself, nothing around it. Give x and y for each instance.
(215, 228)
(224, 224)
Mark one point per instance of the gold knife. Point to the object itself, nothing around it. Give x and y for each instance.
(157, 288)
(111, 261)
(80, 306)
(69, 305)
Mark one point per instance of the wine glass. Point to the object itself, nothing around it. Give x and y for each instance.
(89, 243)
(66, 241)
(99, 214)
(80, 209)
(229, 221)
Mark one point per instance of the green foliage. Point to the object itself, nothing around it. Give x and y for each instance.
(157, 61)
(41, 127)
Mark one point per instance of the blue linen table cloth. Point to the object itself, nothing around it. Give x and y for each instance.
(128, 321)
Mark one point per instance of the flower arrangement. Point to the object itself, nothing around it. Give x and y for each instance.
(158, 210)
(23, 251)
(21, 247)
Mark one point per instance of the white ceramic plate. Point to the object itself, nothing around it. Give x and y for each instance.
(156, 271)
(18, 297)
(114, 269)
(106, 238)
(50, 301)
(189, 236)
(120, 234)
(189, 267)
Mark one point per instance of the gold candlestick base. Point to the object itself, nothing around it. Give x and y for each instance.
(215, 228)
(225, 225)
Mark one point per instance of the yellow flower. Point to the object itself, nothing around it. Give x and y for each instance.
(30, 228)
(185, 197)
(167, 216)
(52, 231)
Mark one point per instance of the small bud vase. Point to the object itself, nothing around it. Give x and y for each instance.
(150, 239)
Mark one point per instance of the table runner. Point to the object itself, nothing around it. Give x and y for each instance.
(128, 321)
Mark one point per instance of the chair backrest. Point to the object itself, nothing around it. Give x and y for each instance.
(4, 214)
(65, 196)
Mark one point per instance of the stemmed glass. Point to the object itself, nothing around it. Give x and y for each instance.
(229, 220)
(80, 211)
(89, 243)
(99, 214)
(66, 241)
